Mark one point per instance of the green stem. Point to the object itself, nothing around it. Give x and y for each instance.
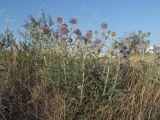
(83, 73)
(117, 75)
(107, 77)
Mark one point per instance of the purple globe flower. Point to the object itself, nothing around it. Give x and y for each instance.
(104, 25)
(96, 32)
(63, 30)
(44, 30)
(84, 38)
(65, 25)
(77, 32)
(73, 21)
(123, 51)
(59, 19)
(109, 31)
(89, 34)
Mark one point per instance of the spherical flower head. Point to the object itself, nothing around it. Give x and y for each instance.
(84, 38)
(65, 25)
(59, 19)
(63, 30)
(77, 32)
(89, 34)
(109, 31)
(104, 25)
(113, 34)
(95, 32)
(123, 52)
(73, 21)
(43, 30)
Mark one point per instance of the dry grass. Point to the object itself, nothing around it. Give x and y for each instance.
(36, 92)
(148, 58)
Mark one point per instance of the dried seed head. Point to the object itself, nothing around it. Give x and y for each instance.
(63, 30)
(73, 21)
(113, 34)
(59, 19)
(104, 25)
(89, 34)
(95, 32)
(77, 32)
(109, 31)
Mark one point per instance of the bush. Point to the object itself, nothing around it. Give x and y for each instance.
(57, 76)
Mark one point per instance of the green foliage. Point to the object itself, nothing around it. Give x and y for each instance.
(6, 38)
(53, 78)
(38, 27)
(138, 42)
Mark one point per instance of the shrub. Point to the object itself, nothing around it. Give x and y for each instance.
(61, 76)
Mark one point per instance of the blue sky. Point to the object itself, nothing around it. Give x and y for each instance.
(121, 15)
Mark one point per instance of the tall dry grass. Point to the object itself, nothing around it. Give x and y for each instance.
(35, 85)
(53, 79)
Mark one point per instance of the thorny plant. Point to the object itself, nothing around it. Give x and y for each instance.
(58, 72)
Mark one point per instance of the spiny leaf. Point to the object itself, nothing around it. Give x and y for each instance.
(50, 22)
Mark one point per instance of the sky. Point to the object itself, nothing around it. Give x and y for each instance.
(121, 15)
